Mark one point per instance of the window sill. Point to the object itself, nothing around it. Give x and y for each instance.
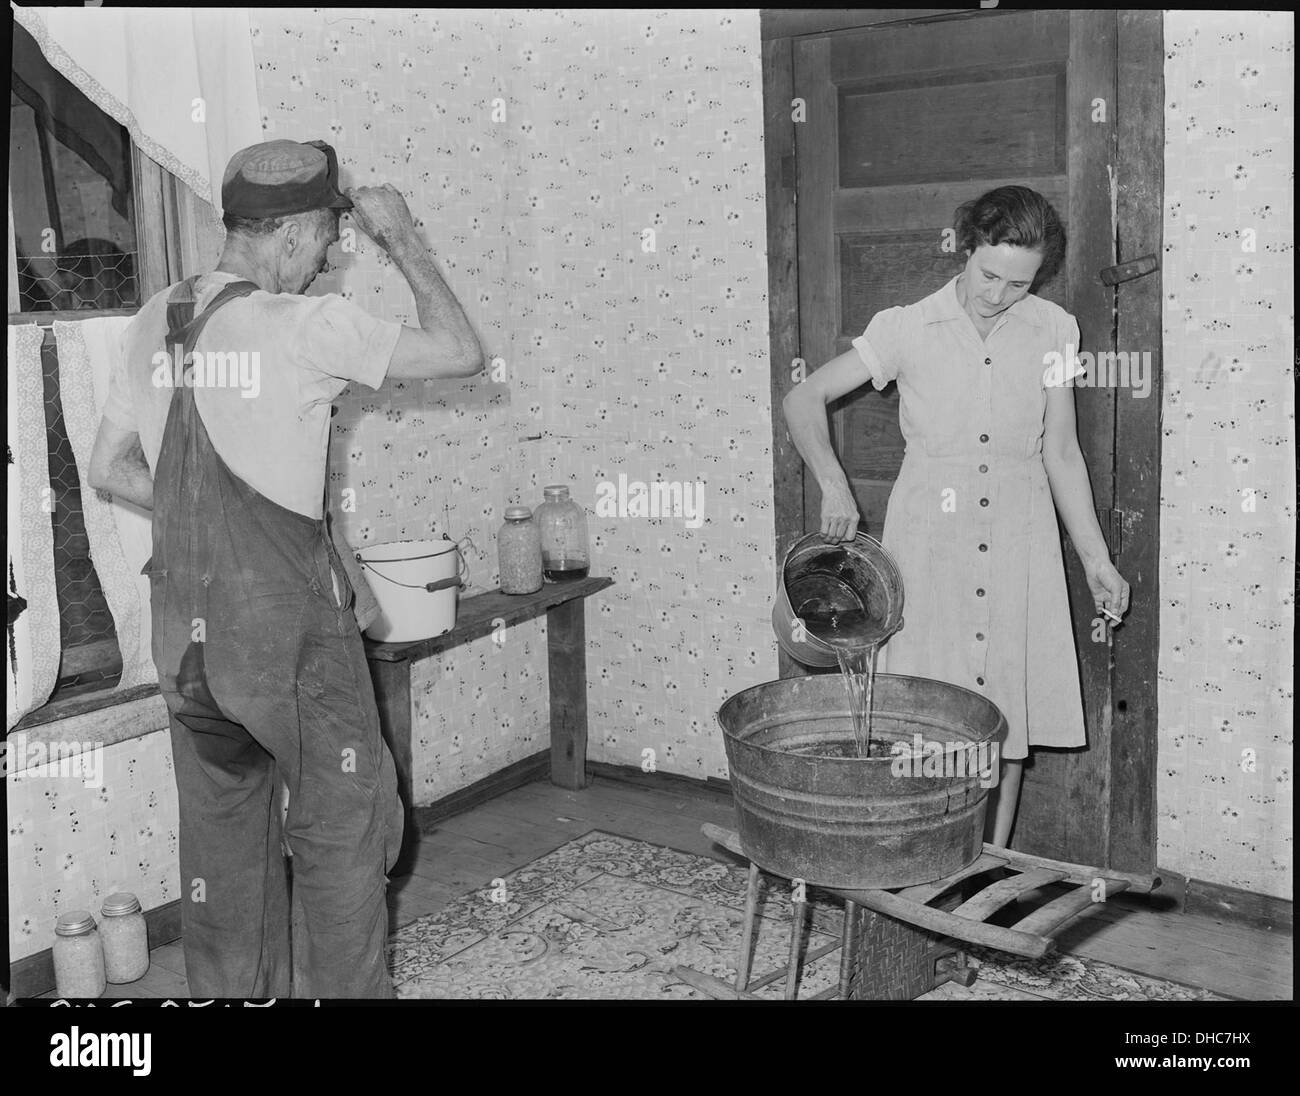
(83, 722)
(45, 319)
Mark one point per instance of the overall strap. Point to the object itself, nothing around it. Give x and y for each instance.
(183, 326)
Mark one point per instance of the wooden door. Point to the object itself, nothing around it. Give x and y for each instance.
(894, 126)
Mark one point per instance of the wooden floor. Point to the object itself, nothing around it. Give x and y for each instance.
(465, 852)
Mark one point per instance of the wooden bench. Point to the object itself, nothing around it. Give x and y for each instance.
(481, 615)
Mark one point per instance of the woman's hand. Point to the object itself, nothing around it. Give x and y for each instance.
(840, 515)
(1109, 590)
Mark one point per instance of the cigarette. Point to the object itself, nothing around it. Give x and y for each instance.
(1117, 620)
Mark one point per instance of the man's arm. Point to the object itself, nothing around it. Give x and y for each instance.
(444, 345)
(117, 465)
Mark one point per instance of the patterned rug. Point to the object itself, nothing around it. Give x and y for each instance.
(608, 917)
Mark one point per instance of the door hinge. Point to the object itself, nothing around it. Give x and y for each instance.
(1126, 272)
(1112, 528)
(787, 171)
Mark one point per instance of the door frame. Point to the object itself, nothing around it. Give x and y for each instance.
(1131, 816)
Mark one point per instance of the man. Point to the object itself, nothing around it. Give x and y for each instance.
(258, 652)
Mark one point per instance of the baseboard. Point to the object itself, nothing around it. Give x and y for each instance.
(33, 975)
(634, 775)
(538, 767)
(512, 776)
(1263, 911)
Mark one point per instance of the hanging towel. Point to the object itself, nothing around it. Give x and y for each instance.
(120, 533)
(32, 636)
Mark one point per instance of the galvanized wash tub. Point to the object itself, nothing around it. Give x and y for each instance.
(850, 822)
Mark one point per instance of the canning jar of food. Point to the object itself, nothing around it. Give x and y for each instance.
(519, 552)
(78, 956)
(563, 525)
(125, 937)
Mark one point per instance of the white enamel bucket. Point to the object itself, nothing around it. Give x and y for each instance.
(417, 583)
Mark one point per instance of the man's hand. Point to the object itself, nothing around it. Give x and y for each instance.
(382, 214)
(118, 466)
(444, 345)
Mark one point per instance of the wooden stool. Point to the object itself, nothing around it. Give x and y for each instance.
(896, 945)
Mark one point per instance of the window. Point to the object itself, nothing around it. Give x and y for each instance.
(95, 228)
(71, 193)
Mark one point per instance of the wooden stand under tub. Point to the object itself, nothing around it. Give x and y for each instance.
(896, 945)
(564, 604)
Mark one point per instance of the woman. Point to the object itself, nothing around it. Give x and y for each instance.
(991, 442)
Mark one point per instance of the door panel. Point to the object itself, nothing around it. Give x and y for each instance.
(902, 124)
(969, 123)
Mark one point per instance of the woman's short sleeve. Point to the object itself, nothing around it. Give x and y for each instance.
(1068, 341)
(883, 346)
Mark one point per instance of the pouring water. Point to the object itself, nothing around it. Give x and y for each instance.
(840, 601)
(858, 668)
(849, 632)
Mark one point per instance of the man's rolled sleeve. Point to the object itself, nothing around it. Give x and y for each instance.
(341, 340)
(880, 347)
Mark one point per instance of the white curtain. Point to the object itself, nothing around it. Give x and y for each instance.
(182, 81)
(32, 642)
(119, 533)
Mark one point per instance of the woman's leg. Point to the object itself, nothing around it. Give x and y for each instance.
(1006, 799)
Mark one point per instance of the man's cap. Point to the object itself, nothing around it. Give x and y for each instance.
(277, 178)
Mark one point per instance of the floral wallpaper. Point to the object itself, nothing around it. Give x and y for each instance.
(592, 185)
(1227, 550)
(78, 834)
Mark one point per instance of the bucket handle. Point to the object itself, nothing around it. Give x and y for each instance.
(460, 581)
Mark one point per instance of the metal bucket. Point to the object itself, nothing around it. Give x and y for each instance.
(832, 595)
(860, 823)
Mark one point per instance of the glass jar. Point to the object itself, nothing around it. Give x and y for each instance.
(78, 956)
(519, 551)
(563, 525)
(125, 937)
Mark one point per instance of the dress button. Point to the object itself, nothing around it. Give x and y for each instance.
(984, 502)
(984, 437)
(979, 636)
(984, 547)
(979, 681)
(988, 361)
(979, 592)
(984, 467)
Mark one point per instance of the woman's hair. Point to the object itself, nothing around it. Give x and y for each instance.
(1013, 215)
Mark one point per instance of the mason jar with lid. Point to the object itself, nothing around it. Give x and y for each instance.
(563, 525)
(78, 956)
(125, 938)
(519, 551)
